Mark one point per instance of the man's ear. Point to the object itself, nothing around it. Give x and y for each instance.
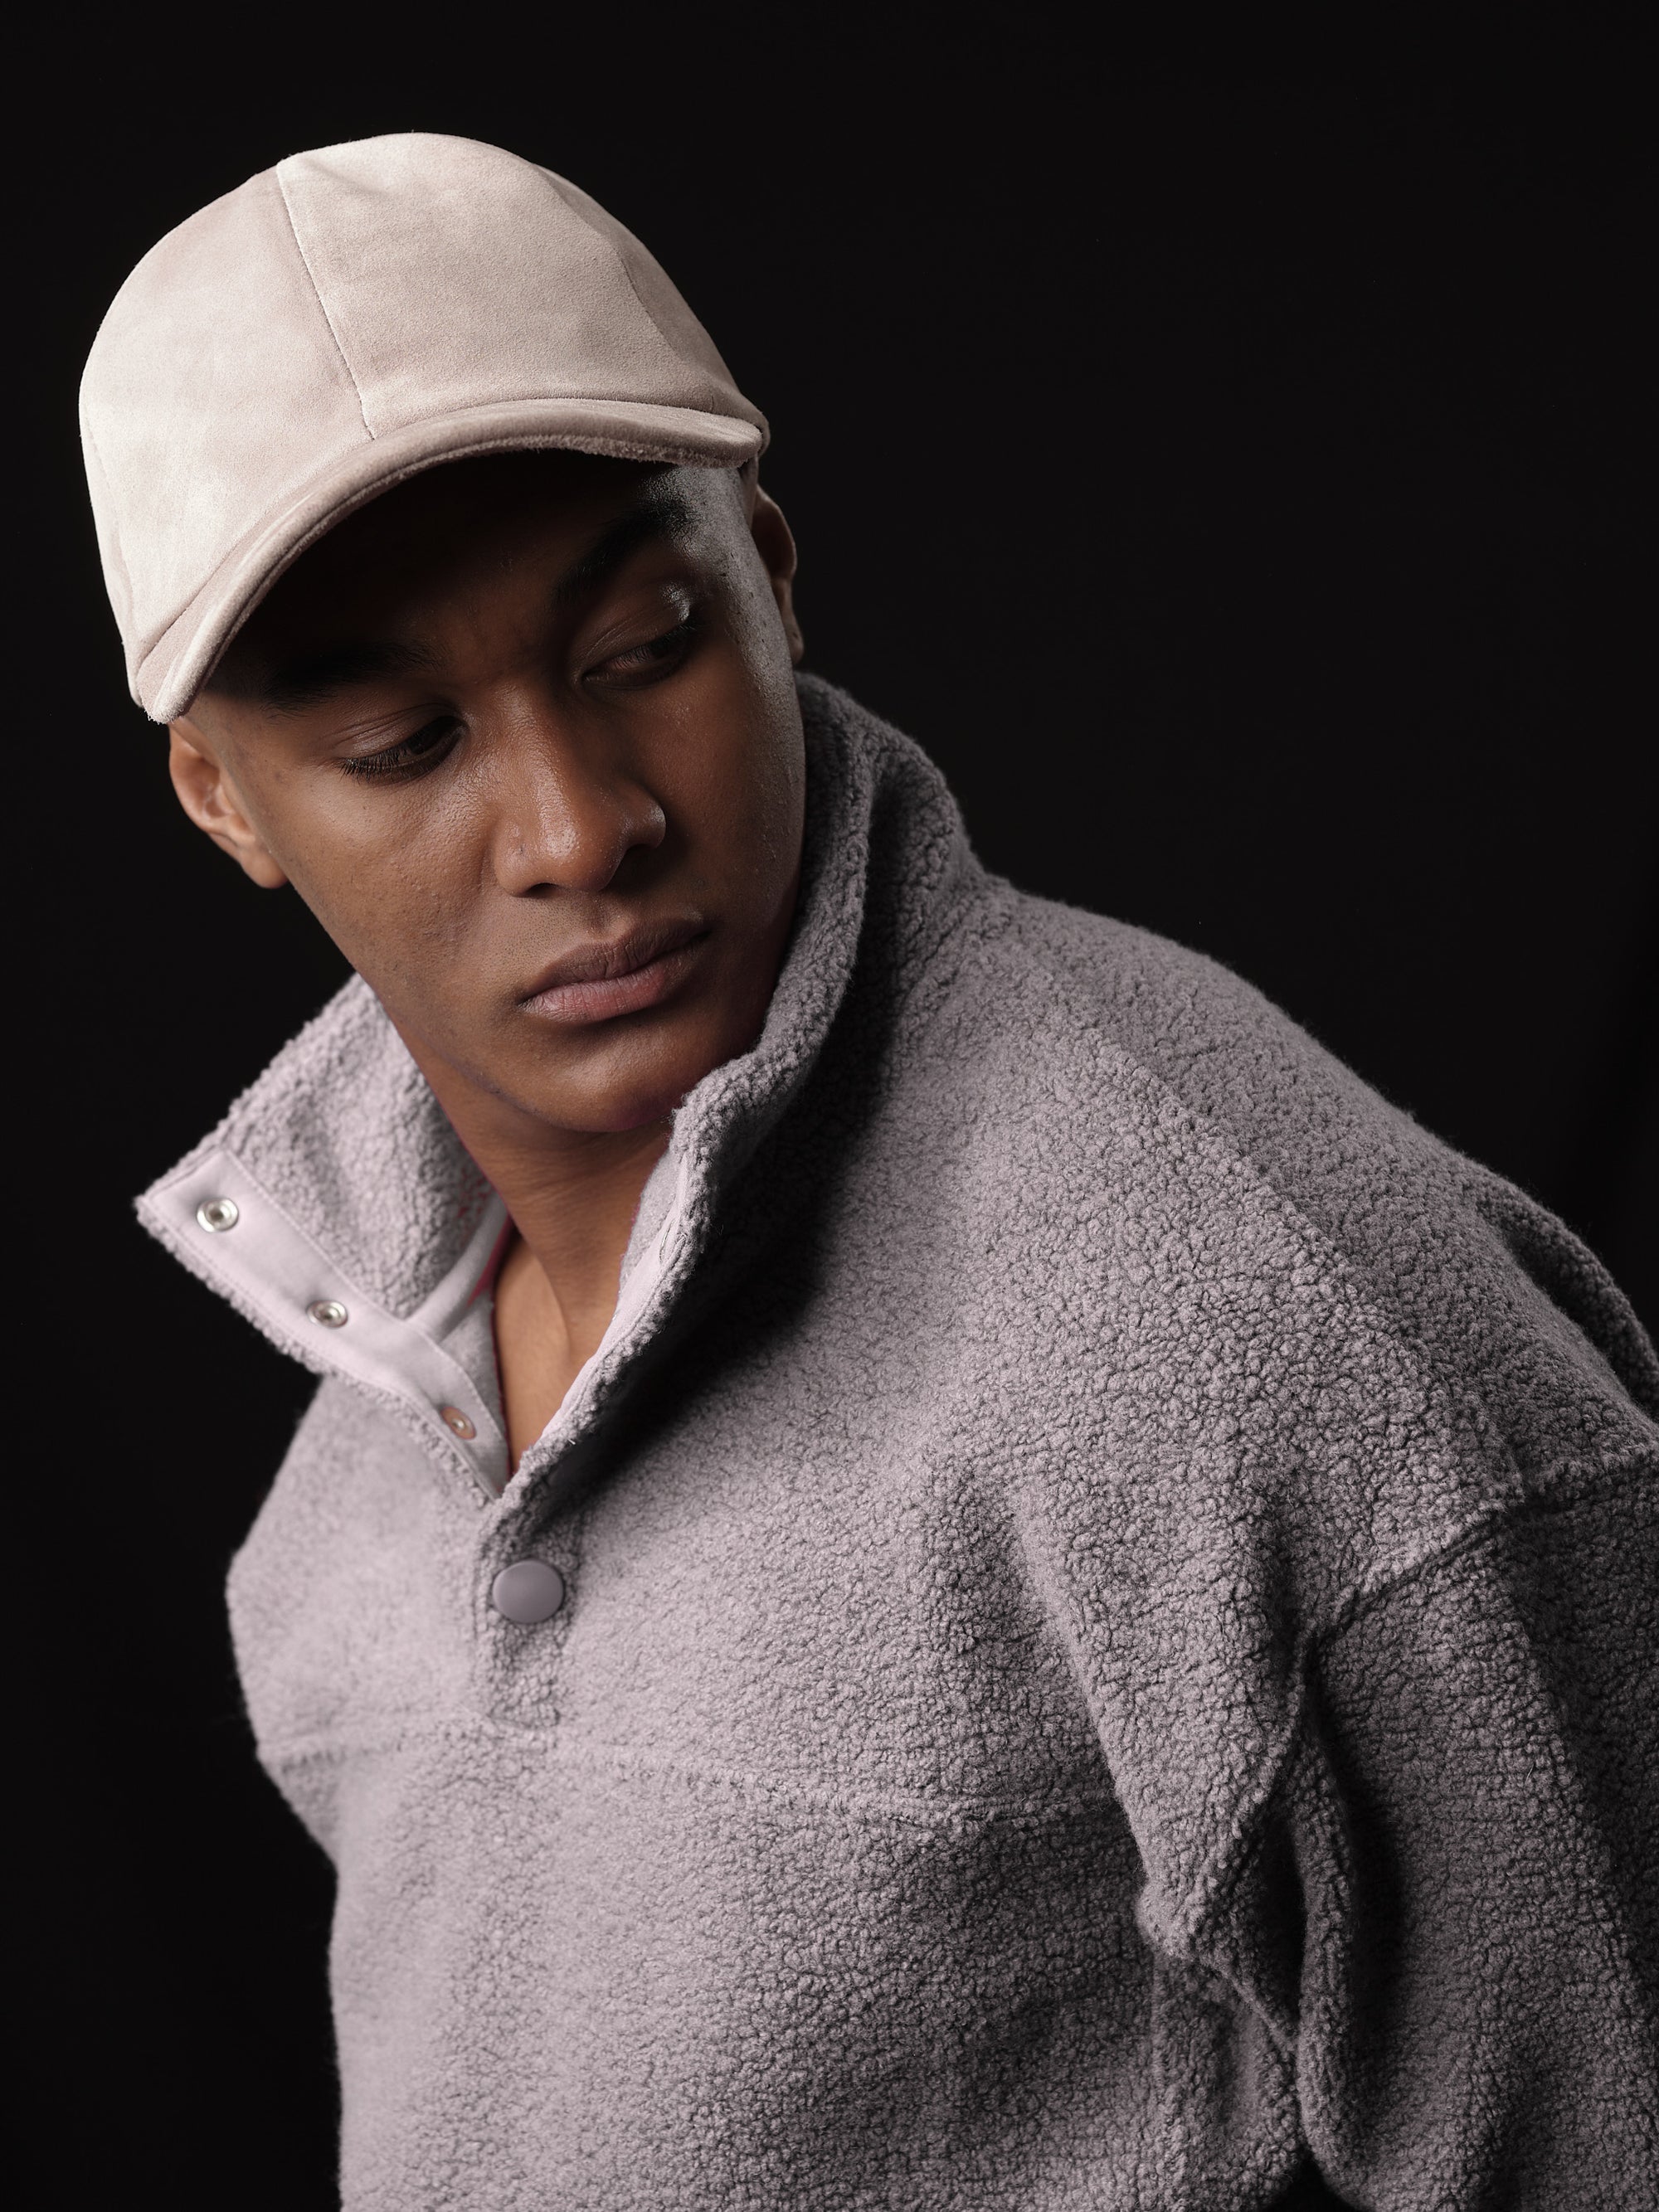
(773, 536)
(213, 804)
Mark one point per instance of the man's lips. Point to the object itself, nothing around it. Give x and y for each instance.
(619, 975)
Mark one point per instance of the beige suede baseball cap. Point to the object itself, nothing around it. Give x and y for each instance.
(340, 322)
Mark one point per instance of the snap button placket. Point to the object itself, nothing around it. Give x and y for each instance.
(284, 1271)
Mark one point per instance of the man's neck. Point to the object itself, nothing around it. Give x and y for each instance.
(572, 1194)
(573, 1205)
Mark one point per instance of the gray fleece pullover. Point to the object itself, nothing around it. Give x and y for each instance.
(1109, 1646)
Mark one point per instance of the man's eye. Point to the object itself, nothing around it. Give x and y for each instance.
(654, 658)
(423, 750)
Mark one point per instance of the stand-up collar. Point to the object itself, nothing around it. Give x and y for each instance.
(334, 1207)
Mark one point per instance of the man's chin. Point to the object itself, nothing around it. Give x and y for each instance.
(633, 1099)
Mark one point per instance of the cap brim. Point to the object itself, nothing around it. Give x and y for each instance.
(183, 658)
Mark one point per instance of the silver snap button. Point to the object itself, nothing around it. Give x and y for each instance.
(528, 1592)
(453, 1418)
(328, 1313)
(218, 1213)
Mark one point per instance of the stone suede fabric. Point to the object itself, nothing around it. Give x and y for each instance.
(1109, 1647)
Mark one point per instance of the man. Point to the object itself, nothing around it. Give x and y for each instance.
(935, 1565)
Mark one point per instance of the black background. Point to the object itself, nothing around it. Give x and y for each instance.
(1224, 472)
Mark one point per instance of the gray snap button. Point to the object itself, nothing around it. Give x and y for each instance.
(218, 1213)
(528, 1591)
(328, 1313)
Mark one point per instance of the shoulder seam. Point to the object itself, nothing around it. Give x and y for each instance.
(1212, 1888)
(1578, 1483)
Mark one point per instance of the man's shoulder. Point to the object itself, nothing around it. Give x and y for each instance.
(1215, 1127)
(1127, 1029)
(1172, 1023)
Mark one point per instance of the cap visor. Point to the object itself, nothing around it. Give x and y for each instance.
(181, 661)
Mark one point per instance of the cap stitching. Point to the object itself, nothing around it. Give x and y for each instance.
(317, 289)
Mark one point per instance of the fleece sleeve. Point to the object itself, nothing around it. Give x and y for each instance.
(1474, 1815)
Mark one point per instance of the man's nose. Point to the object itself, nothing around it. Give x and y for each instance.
(572, 805)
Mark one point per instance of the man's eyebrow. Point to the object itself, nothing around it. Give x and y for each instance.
(311, 678)
(665, 515)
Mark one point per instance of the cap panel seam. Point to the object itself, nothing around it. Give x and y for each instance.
(611, 246)
(317, 293)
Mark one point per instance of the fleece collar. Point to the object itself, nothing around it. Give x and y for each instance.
(335, 1207)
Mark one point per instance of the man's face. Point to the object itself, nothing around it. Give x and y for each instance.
(512, 712)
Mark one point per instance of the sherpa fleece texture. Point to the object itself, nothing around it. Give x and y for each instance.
(1109, 1651)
